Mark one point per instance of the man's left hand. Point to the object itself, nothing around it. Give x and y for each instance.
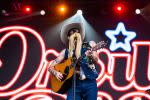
(93, 54)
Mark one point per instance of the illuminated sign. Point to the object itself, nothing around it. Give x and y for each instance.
(112, 35)
(41, 77)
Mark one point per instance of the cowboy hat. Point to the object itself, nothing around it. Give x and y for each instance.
(67, 28)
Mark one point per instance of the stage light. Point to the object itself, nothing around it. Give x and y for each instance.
(79, 12)
(5, 13)
(119, 8)
(42, 12)
(1, 63)
(62, 9)
(27, 9)
(137, 11)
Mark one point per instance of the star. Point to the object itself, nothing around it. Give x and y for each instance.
(129, 35)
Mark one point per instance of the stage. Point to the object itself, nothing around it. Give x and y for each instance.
(30, 39)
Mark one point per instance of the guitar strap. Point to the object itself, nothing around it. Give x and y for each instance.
(66, 54)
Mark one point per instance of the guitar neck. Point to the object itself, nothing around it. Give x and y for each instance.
(98, 46)
(83, 55)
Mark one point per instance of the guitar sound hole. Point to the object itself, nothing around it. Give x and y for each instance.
(66, 73)
(67, 70)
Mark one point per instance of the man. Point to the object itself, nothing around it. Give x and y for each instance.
(86, 87)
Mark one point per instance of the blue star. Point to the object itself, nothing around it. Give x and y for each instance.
(120, 29)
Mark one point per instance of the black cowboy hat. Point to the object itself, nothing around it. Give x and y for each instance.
(67, 28)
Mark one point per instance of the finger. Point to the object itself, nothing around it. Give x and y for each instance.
(86, 52)
(61, 76)
(58, 78)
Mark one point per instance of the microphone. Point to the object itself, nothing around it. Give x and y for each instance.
(75, 38)
(75, 41)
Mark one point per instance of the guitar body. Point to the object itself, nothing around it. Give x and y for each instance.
(62, 86)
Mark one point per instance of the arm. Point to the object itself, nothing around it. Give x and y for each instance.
(54, 62)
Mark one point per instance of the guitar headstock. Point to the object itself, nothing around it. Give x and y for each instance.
(100, 45)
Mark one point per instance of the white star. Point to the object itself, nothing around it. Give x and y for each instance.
(120, 29)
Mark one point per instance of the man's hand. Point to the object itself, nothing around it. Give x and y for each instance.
(93, 55)
(58, 75)
(88, 53)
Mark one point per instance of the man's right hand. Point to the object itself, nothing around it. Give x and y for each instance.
(59, 75)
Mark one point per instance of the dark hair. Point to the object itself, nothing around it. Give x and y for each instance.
(73, 30)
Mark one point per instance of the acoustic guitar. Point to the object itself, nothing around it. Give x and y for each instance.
(66, 68)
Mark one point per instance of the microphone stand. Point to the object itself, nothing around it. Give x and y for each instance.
(74, 74)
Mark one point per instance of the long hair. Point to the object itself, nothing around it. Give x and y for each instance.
(72, 45)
